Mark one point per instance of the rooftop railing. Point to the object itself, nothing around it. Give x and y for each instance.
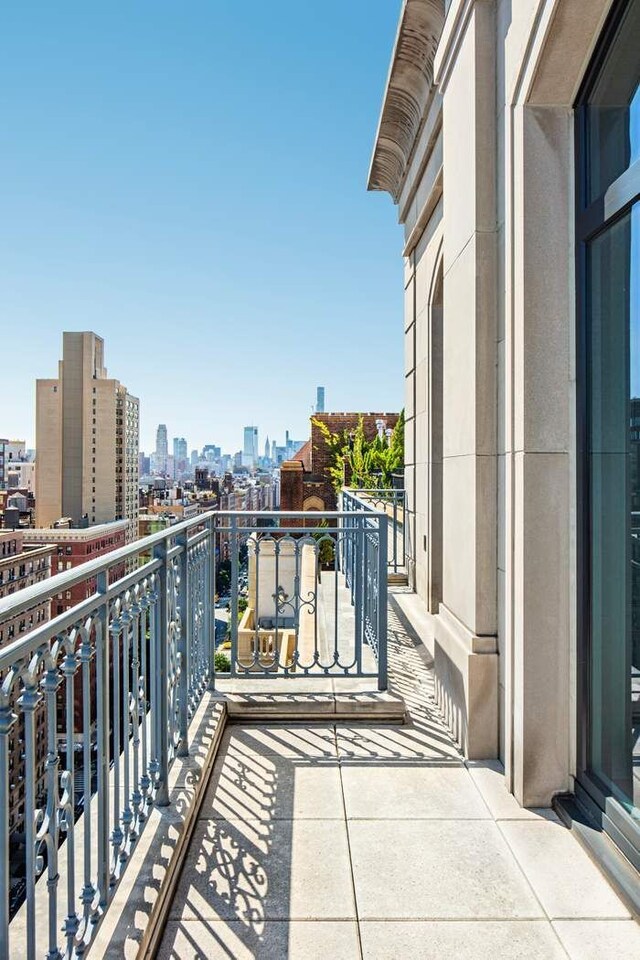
(95, 704)
(390, 501)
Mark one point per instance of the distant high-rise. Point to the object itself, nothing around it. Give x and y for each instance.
(162, 449)
(87, 441)
(179, 448)
(319, 399)
(180, 461)
(250, 447)
(267, 449)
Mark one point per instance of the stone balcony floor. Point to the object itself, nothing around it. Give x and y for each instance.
(342, 840)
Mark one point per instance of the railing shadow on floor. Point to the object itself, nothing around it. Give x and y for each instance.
(125, 926)
(235, 890)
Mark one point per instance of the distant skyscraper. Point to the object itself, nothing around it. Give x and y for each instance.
(267, 449)
(162, 449)
(179, 448)
(87, 438)
(320, 400)
(250, 447)
(273, 450)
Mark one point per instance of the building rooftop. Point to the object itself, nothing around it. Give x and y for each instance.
(77, 533)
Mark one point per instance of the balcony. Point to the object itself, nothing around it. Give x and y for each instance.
(227, 614)
(240, 736)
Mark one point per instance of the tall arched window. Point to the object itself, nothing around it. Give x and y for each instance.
(608, 257)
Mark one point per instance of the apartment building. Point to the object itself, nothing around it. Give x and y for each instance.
(72, 546)
(87, 440)
(21, 565)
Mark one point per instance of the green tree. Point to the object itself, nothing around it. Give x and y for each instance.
(369, 464)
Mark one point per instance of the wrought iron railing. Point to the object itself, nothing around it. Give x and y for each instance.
(95, 704)
(392, 503)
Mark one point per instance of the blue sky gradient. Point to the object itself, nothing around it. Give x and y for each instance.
(189, 181)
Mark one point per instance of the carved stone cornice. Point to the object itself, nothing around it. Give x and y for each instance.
(409, 89)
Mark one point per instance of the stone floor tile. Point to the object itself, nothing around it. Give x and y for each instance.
(266, 870)
(274, 940)
(428, 741)
(600, 939)
(286, 740)
(565, 879)
(413, 790)
(460, 939)
(437, 869)
(272, 787)
(488, 776)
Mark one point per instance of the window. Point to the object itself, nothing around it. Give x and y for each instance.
(608, 271)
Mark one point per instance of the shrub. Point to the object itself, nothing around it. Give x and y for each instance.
(222, 663)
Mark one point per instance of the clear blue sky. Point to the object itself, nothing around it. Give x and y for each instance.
(188, 179)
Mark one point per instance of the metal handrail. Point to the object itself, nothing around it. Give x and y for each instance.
(370, 499)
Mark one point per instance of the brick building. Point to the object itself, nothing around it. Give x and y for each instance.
(305, 481)
(22, 565)
(74, 546)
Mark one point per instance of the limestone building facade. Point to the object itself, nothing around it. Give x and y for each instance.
(509, 139)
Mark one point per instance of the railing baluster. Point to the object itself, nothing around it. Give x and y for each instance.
(7, 721)
(27, 702)
(234, 595)
(184, 641)
(134, 715)
(145, 779)
(154, 686)
(103, 725)
(115, 629)
(359, 609)
(67, 806)
(88, 889)
(49, 831)
(161, 639)
(125, 734)
(381, 599)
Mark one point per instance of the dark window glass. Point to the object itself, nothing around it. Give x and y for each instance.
(613, 298)
(613, 108)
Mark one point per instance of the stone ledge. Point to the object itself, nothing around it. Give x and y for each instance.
(380, 706)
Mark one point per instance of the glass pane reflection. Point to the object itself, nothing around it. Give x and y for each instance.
(613, 109)
(614, 461)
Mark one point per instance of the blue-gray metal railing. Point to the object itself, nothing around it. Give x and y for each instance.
(109, 685)
(392, 502)
(95, 703)
(299, 613)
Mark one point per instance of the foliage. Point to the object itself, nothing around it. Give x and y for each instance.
(369, 464)
(222, 663)
(326, 546)
(223, 577)
(242, 604)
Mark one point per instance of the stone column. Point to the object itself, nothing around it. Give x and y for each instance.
(466, 656)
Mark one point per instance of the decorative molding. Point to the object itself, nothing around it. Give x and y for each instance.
(458, 16)
(425, 215)
(407, 95)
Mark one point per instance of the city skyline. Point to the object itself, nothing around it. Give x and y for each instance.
(209, 324)
(225, 432)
